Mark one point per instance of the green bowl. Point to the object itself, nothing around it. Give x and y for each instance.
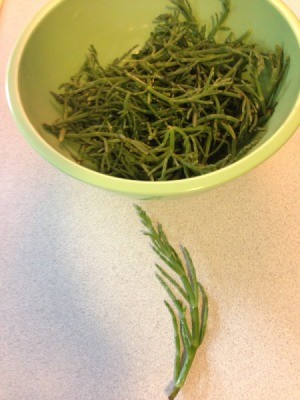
(54, 45)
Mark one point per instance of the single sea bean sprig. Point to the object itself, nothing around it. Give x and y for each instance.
(188, 298)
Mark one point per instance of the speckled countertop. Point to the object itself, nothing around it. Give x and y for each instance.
(81, 313)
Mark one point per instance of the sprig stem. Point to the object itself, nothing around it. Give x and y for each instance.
(183, 374)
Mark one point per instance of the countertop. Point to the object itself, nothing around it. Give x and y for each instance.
(81, 313)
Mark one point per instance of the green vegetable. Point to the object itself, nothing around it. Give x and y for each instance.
(189, 102)
(189, 311)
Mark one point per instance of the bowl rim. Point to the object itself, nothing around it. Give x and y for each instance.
(143, 189)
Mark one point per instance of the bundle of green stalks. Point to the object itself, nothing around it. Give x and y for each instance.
(183, 105)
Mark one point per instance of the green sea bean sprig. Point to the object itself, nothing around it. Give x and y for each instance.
(191, 100)
(189, 304)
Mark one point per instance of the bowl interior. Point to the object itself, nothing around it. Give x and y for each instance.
(54, 47)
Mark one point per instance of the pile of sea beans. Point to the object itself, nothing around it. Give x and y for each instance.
(184, 105)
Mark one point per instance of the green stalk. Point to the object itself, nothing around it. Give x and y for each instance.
(183, 374)
(187, 301)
